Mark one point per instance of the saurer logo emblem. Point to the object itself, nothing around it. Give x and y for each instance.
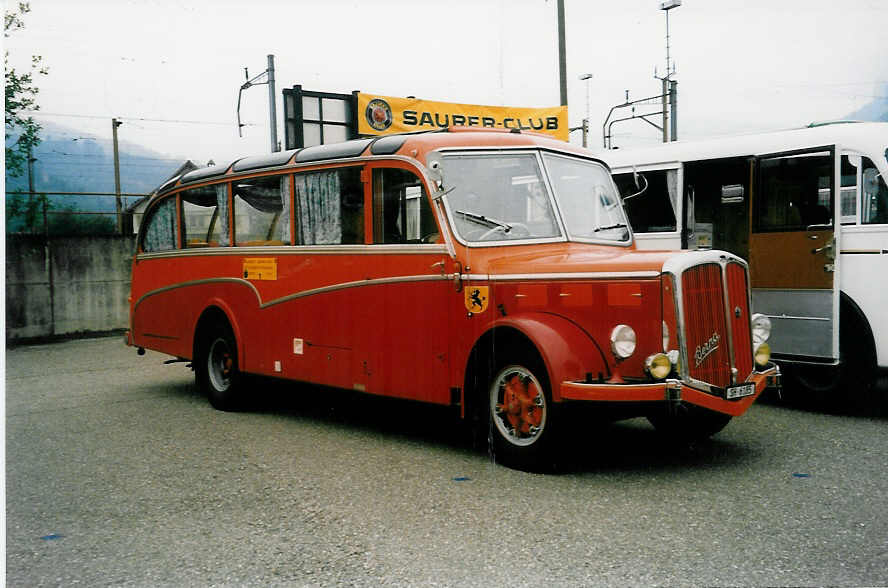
(705, 349)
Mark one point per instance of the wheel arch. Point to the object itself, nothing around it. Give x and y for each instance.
(567, 352)
(849, 309)
(214, 312)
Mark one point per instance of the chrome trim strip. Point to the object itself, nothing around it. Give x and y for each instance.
(256, 251)
(685, 260)
(356, 284)
(156, 336)
(561, 276)
(303, 293)
(798, 318)
(726, 295)
(190, 283)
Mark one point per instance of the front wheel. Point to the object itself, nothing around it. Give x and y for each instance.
(521, 415)
(217, 370)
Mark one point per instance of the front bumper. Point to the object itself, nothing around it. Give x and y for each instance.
(670, 391)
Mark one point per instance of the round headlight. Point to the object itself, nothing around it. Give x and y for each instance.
(762, 354)
(761, 328)
(665, 336)
(623, 341)
(658, 366)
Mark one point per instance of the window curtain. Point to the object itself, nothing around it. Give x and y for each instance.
(672, 186)
(161, 233)
(319, 207)
(222, 220)
(284, 222)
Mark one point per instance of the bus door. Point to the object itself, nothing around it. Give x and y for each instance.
(716, 205)
(792, 252)
(409, 345)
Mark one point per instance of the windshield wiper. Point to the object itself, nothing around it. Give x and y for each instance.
(609, 227)
(486, 221)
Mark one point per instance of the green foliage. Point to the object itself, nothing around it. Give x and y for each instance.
(25, 214)
(21, 95)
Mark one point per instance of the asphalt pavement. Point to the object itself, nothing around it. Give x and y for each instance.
(119, 473)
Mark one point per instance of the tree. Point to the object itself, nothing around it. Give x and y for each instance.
(21, 95)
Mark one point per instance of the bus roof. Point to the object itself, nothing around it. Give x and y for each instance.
(861, 136)
(413, 145)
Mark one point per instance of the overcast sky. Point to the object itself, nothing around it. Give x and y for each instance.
(741, 65)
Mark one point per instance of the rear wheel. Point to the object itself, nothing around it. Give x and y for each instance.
(687, 422)
(520, 413)
(217, 369)
(846, 386)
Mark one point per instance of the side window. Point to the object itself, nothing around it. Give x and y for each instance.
(652, 211)
(205, 215)
(795, 192)
(160, 228)
(329, 207)
(262, 211)
(401, 211)
(874, 196)
(848, 190)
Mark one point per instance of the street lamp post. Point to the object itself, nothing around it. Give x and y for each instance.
(587, 77)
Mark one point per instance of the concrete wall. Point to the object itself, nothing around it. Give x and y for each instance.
(66, 285)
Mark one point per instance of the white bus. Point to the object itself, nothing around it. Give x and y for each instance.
(809, 209)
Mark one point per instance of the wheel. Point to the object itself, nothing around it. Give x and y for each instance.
(217, 370)
(846, 386)
(520, 415)
(688, 423)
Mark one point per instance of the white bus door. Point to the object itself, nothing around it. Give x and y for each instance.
(792, 252)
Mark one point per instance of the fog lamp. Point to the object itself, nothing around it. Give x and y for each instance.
(762, 354)
(623, 341)
(658, 366)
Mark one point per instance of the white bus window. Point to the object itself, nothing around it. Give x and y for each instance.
(160, 230)
(874, 198)
(401, 211)
(205, 216)
(848, 190)
(652, 211)
(330, 207)
(261, 211)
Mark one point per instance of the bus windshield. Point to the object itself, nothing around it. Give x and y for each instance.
(504, 197)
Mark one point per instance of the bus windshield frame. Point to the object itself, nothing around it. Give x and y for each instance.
(519, 197)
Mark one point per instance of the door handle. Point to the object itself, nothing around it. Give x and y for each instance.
(826, 247)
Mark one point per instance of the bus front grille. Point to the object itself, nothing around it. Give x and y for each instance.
(715, 304)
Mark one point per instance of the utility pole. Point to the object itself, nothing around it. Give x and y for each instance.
(670, 86)
(587, 77)
(562, 57)
(272, 109)
(114, 124)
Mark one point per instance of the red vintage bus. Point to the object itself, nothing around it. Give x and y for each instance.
(493, 271)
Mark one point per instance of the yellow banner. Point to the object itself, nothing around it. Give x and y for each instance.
(381, 115)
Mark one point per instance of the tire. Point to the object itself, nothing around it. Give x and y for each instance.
(216, 368)
(846, 387)
(689, 423)
(521, 415)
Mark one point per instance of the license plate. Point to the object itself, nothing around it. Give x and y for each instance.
(739, 391)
